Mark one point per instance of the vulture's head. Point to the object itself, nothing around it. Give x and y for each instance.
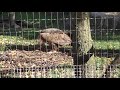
(54, 36)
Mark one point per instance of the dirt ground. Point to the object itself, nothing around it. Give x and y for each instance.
(29, 59)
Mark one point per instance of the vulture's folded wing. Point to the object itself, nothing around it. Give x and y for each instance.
(57, 38)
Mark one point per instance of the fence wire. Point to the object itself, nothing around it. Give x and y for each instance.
(22, 56)
(60, 72)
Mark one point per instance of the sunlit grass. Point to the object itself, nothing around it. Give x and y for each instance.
(19, 40)
(110, 44)
(4, 40)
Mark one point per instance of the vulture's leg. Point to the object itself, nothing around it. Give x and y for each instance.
(41, 43)
(58, 46)
(54, 47)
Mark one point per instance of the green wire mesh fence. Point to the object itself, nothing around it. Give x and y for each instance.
(21, 55)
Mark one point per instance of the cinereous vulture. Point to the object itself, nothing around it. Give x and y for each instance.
(54, 37)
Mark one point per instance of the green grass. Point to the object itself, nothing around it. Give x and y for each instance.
(16, 40)
(111, 44)
(107, 41)
(29, 34)
(29, 38)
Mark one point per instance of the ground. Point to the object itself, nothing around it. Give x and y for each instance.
(11, 62)
(15, 59)
(22, 59)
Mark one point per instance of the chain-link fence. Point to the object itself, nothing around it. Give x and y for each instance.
(40, 45)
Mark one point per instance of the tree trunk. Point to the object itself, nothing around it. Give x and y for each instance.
(83, 47)
(12, 20)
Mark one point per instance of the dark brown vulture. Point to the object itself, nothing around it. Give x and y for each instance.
(54, 37)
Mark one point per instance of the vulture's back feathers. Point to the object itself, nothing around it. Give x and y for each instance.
(52, 30)
(55, 36)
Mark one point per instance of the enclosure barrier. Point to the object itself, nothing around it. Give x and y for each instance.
(22, 56)
(60, 72)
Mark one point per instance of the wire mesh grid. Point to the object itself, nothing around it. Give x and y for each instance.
(60, 72)
(22, 55)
